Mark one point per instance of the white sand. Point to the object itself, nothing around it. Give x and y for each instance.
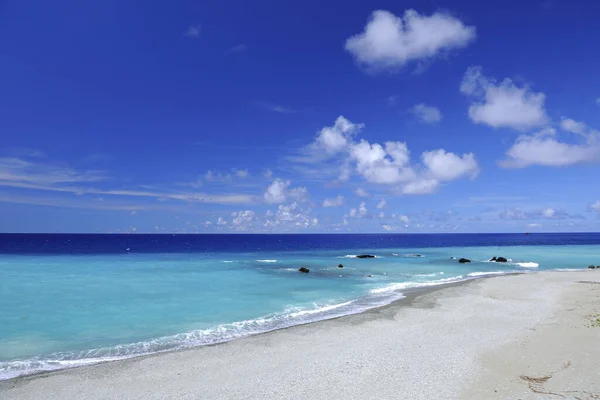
(470, 341)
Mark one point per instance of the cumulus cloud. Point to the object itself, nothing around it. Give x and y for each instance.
(546, 149)
(381, 204)
(221, 221)
(390, 164)
(335, 202)
(389, 41)
(444, 166)
(504, 104)
(595, 206)
(243, 220)
(291, 216)
(427, 114)
(279, 191)
(334, 139)
(360, 212)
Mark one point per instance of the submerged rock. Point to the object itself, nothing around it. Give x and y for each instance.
(453, 258)
(340, 266)
(464, 260)
(591, 267)
(305, 270)
(365, 256)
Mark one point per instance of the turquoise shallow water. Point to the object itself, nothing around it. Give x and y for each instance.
(58, 311)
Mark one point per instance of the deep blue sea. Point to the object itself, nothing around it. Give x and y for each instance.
(68, 300)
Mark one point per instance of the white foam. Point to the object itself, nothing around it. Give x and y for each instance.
(218, 334)
(476, 274)
(266, 261)
(226, 261)
(319, 309)
(394, 287)
(527, 264)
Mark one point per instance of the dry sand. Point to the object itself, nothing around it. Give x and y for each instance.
(512, 337)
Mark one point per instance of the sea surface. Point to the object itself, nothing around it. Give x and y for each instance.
(68, 300)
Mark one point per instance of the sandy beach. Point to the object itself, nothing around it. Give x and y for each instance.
(530, 336)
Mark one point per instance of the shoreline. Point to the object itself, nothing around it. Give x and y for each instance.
(408, 296)
(445, 303)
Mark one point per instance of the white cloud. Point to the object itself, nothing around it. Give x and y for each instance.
(241, 173)
(359, 212)
(595, 206)
(41, 173)
(404, 218)
(336, 138)
(193, 31)
(238, 49)
(268, 173)
(276, 192)
(545, 149)
(427, 114)
(390, 42)
(381, 204)
(335, 202)
(543, 213)
(570, 125)
(445, 166)
(291, 216)
(277, 108)
(360, 192)
(379, 165)
(422, 186)
(389, 164)
(216, 177)
(221, 221)
(504, 104)
(279, 191)
(243, 220)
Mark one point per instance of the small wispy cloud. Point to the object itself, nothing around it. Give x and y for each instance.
(18, 173)
(427, 114)
(238, 48)
(277, 108)
(193, 31)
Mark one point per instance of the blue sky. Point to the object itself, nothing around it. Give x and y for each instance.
(270, 116)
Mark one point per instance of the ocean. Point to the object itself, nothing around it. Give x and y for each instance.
(69, 300)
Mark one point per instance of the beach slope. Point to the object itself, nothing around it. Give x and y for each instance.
(530, 336)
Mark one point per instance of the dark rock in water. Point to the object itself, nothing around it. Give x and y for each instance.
(305, 270)
(414, 255)
(501, 259)
(453, 258)
(365, 256)
(340, 266)
(591, 267)
(597, 266)
(464, 260)
(369, 276)
(493, 259)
